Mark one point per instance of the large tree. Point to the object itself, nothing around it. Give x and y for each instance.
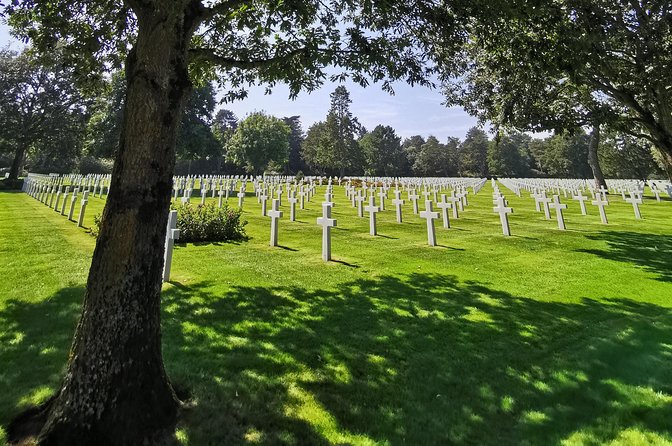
(115, 389)
(294, 161)
(195, 137)
(474, 153)
(40, 110)
(508, 155)
(436, 159)
(382, 152)
(335, 151)
(572, 63)
(259, 140)
(624, 156)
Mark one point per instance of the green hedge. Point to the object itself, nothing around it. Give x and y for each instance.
(208, 223)
(201, 223)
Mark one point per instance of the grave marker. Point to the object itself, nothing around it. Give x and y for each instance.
(558, 211)
(429, 215)
(503, 212)
(635, 201)
(581, 199)
(398, 202)
(172, 234)
(600, 202)
(327, 223)
(444, 206)
(82, 209)
(275, 213)
(372, 209)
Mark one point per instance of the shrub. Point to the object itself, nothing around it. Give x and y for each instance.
(201, 223)
(7, 184)
(208, 223)
(95, 228)
(93, 165)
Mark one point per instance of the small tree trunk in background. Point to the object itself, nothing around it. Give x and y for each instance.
(17, 163)
(593, 160)
(666, 163)
(116, 390)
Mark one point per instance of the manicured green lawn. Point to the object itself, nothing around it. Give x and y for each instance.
(546, 337)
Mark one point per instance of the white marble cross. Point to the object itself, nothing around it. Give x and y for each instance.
(503, 212)
(602, 190)
(382, 195)
(462, 195)
(292, 205)
(543, 200)
(413, 196)
(581, 199)
(58, 197)
(82, 209)
(72, 204)
(221, 196)
(275, 213)
(65, 199)
(429, 215)
(635, 201)
(600, 202)
(302, 198)
(454, 200)
(372, 209)
(398, 202)
(204, 194)
(327, 223)
(444, 206)
(360, 203)
(278, 193)
(558, 207)
(241, 196)
(263, 200)
(172, 234)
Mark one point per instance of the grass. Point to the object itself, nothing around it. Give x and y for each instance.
(545, 337)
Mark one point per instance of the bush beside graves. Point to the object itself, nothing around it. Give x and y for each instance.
(10, 184)
(208, 223)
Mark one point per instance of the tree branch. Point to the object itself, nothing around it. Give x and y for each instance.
(229, 62)
(220, 8)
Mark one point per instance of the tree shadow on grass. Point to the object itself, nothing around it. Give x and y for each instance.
(652, 252)
(418, 359)
(34, 342)
(415, 359)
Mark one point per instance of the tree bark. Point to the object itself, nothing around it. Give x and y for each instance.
(593, 160)
(116, 390)
(17, 163)
(666, 161)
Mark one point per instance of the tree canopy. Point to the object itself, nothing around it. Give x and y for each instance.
(259, 140)
(570, 63)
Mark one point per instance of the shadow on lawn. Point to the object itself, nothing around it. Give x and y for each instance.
(34, 344)
(418, 359)
(653, 252)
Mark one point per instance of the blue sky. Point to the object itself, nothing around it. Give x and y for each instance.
(411, 111)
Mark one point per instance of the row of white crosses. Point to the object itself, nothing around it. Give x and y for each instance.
(327, 222)
(47, 190)
(631, 192)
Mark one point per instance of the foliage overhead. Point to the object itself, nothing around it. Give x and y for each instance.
(569, 63)
(244, 42)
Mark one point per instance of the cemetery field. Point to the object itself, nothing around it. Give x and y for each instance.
(544, 337)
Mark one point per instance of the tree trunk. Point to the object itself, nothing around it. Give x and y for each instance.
(17, 163)
(666, 161)
(116, 390)
(593, 160)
